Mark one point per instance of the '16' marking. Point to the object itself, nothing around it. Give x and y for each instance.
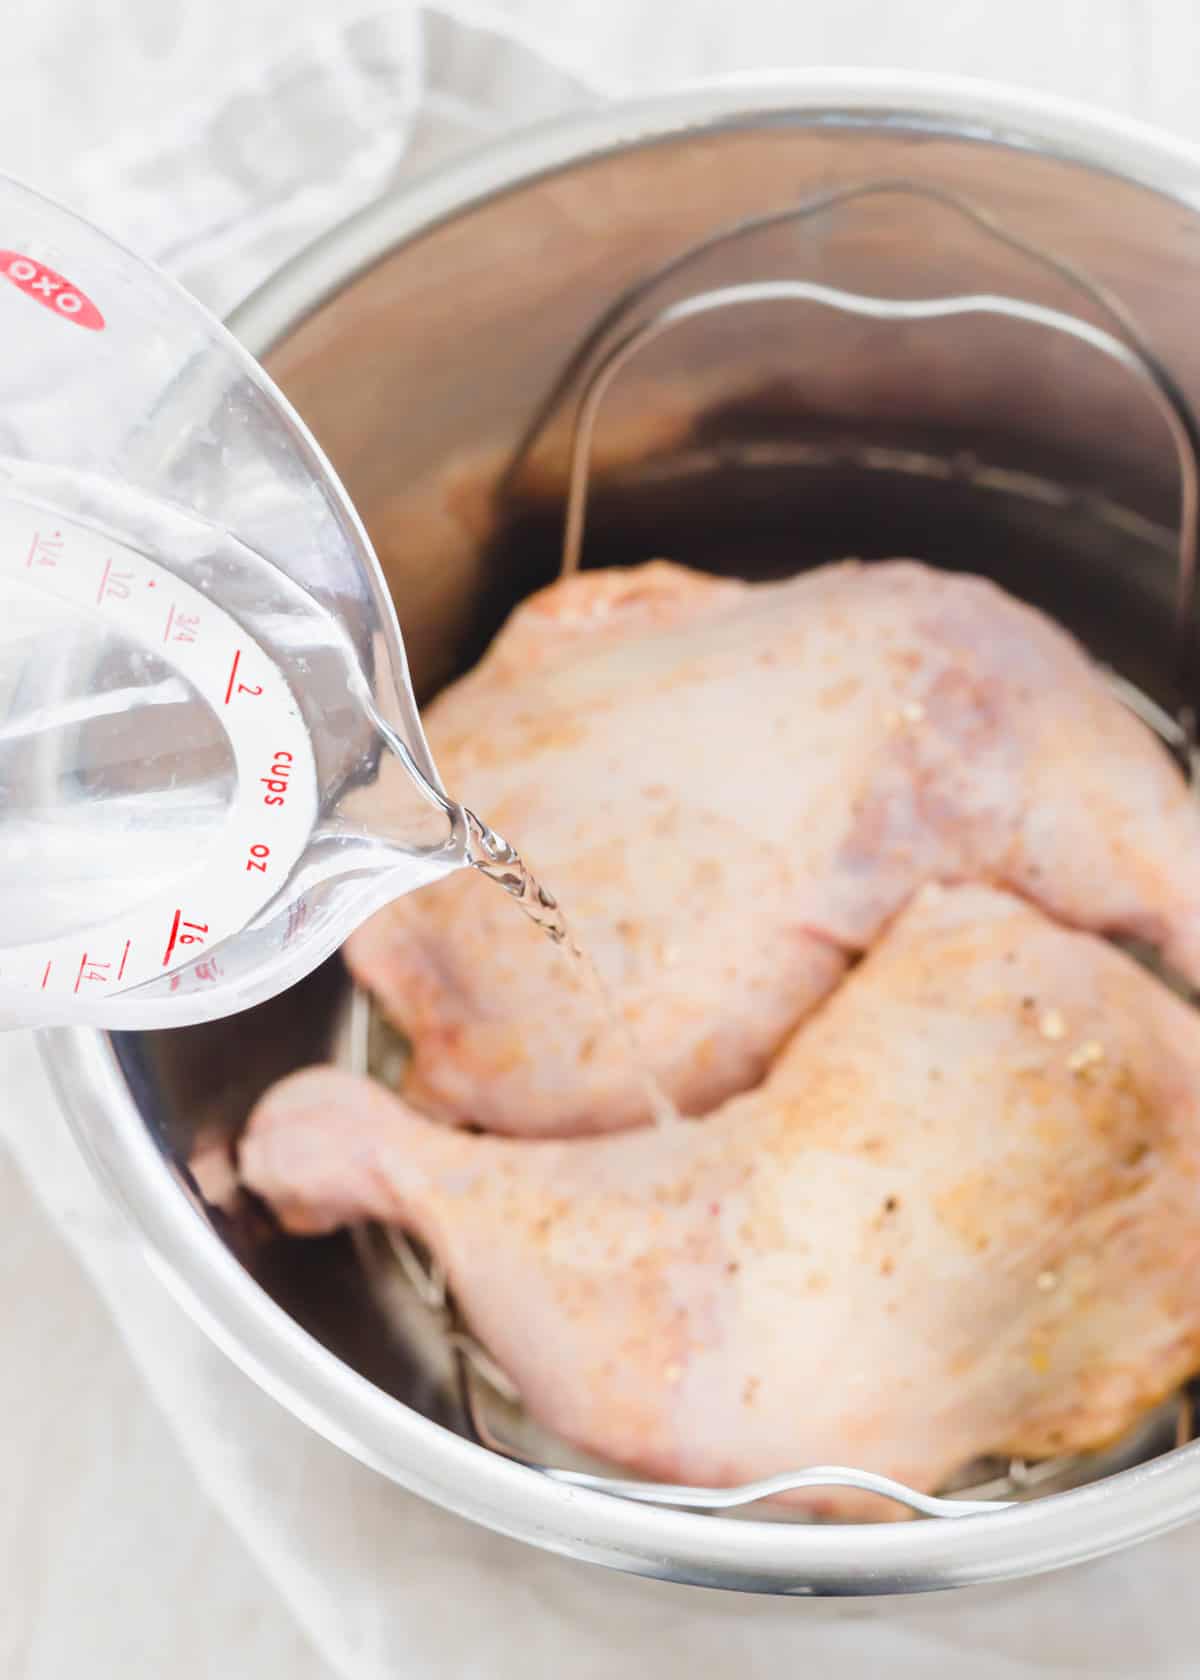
(184, 933)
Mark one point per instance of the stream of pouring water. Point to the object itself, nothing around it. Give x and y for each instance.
(492, 855)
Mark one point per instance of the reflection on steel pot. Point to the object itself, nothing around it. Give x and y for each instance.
(420, 341)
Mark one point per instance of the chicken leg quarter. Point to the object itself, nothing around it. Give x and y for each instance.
(960, 1216)
(731, 788)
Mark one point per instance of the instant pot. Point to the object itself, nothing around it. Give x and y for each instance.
(420, 341)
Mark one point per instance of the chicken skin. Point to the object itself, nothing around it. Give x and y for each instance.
(732, 788)
(961, 1215)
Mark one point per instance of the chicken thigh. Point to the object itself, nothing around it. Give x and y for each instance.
(731, 788)
(960, 1216)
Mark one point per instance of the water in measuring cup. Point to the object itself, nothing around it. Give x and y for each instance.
(201, 790)
(188, 752)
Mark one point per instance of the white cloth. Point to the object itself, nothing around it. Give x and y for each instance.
(360, 1579)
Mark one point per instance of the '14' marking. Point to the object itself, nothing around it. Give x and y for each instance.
(91, 969)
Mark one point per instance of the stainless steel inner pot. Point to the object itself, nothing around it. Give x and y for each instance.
(417, 340)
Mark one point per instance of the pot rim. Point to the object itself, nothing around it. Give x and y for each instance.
(956, 106)
(295, 1368)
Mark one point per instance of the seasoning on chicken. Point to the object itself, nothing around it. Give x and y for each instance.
(960, 1216)
(732, 788)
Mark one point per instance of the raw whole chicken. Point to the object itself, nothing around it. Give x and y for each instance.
(961, 1215)
(731, 788)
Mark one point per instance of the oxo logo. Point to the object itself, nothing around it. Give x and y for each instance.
(50, 290)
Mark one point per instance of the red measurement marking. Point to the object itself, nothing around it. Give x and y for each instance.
(182, 627)
(297, 916)
(232, 676)
(45, 550)
(90, 968)
(46, 973)
(152, 584)
(184, 933)
(114, 583)
(124, 959)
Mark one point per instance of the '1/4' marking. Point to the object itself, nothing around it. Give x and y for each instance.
(45, 551)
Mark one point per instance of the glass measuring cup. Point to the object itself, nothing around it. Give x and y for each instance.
(211, 762)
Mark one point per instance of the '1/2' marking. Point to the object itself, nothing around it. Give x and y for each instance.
(114, 584)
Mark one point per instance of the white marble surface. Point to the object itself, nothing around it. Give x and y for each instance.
(121, 1552)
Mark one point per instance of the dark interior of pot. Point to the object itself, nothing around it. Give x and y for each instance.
(766, 440)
